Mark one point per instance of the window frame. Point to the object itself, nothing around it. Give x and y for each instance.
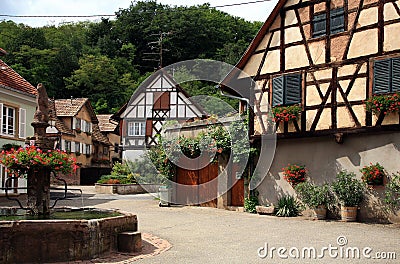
(136, 128)
(285, 92)
(5, 121)
(389, 89)
(333, 14)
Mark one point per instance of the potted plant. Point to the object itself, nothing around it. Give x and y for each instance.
(385, 104)
(316, 197)
(350, 192)
(294, 174)
(373, 174)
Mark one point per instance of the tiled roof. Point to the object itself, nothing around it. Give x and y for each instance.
(69, 107)
(59, 124)
(10, 79)
(104, 123)
(98, 136)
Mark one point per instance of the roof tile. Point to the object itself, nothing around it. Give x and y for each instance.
(12, 80)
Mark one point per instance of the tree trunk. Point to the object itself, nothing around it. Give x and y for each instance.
(39, 192)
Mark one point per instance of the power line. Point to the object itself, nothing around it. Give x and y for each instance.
(108, 15)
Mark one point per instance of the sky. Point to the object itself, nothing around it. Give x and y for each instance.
(251, 12)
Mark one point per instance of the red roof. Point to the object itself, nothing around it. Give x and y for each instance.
(10, 79)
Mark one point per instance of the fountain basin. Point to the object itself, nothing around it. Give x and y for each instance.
(54, 240)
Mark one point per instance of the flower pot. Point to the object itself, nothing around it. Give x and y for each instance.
(320, 212)
(348, 213)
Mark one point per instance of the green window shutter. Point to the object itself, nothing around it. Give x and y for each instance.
(337, 20)
(382, 76)
(319, 25)
(277, 90)
(395, 75)
(293, 89)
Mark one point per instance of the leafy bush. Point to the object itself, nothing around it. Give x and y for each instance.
(250, 204)
(314, 195)
(287, 206)
(120, 174)
(348, 190)
(392, 193)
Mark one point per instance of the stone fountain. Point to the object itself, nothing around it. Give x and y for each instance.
(42, 239)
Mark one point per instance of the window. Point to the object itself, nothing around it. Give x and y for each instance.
(286, 89)
(386, 76)
(336, 23)
(77, 123)
(136, 129)
(105, 150)
(8, 121)
(67, 146)
(88, 149)
(77, 147)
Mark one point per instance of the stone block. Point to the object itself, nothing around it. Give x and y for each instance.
(265, 209)
(130, 242)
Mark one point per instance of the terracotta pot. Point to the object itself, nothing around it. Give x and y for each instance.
(348, 213)
(320, 212)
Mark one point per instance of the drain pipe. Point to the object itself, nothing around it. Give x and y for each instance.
(248, 192)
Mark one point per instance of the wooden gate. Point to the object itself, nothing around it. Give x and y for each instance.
(197, 186)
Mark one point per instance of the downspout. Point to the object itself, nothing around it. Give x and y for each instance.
(247, 193)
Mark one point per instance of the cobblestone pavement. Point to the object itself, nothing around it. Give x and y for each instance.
(208, 235)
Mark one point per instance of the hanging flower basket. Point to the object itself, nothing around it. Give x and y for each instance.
(294, 174)
(373, 174)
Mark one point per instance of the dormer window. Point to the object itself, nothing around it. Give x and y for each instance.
(336, 23)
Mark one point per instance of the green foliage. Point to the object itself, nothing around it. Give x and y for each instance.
(373, 174)
(60, 56)
(145, 171)
(348, 190)
(287, 206)
(120, 174)
(392, 193)
(250, 204)
(383, 103)
(314, 195)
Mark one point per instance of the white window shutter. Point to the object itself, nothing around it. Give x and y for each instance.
(91, 149)
(83, 125)
(83, 148)
(22, 123)
(1, 119)
(62, 144)
(73, 123)
(90, 127)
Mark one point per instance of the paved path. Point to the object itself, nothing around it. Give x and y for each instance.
(208, 235)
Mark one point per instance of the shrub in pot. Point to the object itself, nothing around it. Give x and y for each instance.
(350, 192)
(316, 197)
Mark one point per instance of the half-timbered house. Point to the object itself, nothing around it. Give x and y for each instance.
(158, 99)
(328, 57)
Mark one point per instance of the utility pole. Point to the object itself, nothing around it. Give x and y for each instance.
(157, 45)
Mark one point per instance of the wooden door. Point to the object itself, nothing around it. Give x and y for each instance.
(208, 190)
(237, 191)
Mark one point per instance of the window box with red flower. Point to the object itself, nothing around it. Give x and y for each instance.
(294, 174)
(373, 174)
(286, 113)
(386, 104)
